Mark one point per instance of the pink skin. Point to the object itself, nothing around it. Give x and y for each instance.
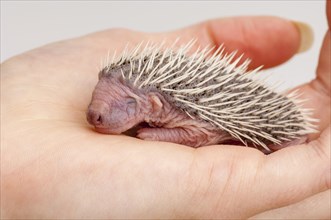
(117, 107)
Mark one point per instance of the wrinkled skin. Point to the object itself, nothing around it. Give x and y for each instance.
(117, 107)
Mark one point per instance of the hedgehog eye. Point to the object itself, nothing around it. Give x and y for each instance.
(131, 101)
(131, 104)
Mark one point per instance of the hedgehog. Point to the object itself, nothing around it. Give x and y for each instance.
(197, 99)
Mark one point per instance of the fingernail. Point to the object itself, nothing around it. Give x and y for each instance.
(306, 35)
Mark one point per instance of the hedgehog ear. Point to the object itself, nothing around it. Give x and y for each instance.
(156, 102)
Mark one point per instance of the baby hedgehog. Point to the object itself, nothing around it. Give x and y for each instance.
(195, 100)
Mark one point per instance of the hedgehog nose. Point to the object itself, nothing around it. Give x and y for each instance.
(94, 117)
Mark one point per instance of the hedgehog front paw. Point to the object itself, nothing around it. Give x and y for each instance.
(147, 134)
(174, 135)
(193, 138)
(161, 134)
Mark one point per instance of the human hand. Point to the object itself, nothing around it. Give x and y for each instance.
(55, 166)
(318, 94)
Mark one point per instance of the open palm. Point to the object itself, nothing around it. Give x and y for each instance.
(54, 165)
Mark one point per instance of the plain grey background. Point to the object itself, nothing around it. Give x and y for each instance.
(29, 24)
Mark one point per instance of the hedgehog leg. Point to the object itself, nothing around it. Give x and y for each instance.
(191, 137)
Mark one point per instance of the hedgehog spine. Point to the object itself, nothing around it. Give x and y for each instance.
(176, 74)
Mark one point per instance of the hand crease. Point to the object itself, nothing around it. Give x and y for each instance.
(320, 86)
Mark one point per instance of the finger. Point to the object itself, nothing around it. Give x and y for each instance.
(267, 41)
(315, 207)
(320, 104)
(295, 173)
(239, 177)
(318, 91)
(322, 83)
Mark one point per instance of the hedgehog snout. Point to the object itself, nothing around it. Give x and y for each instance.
(94, 117)
(96, 113)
